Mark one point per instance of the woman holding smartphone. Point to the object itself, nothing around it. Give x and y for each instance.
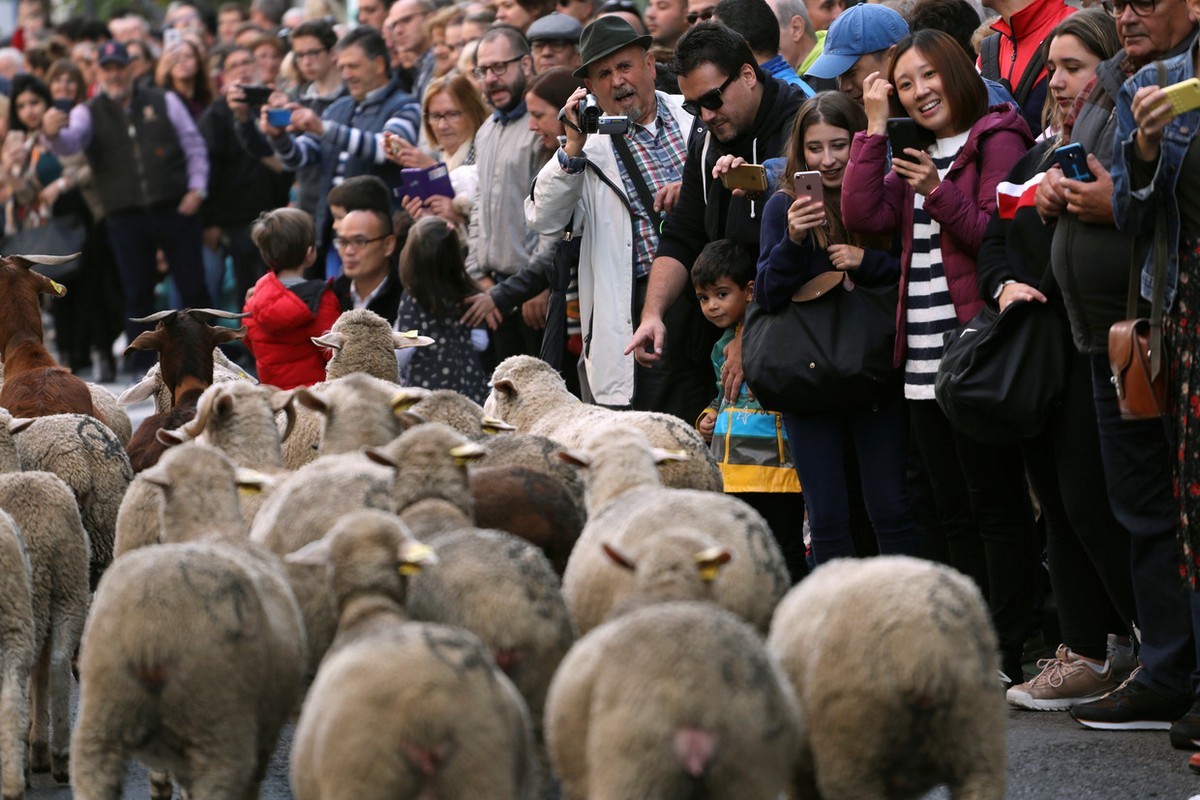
(939, 201)
(803, 236)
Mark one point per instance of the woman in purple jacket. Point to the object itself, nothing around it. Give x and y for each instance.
(940, 200)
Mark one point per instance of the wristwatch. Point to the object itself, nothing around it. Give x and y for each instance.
(202, 192)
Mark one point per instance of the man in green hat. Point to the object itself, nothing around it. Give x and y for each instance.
(596, 178)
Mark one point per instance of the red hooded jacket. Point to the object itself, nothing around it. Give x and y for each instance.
(281, 323)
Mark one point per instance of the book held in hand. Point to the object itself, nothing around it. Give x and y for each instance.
(426, 183)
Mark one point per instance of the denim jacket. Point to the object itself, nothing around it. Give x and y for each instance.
(1135, 209)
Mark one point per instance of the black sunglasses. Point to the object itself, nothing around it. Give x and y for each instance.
(710, 99)
(701, 16)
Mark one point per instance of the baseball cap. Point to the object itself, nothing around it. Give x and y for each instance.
(112, 53)
(861, 29)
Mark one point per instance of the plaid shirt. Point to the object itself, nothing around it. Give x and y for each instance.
(660, 159)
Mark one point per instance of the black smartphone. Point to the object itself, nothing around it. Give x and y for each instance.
(1073, 160)
(905, 132)
(256, 95)
(64, 105)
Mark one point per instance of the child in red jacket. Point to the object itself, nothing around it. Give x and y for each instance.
(286, 310)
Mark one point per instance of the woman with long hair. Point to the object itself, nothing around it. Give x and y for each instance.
(803, 237)
(183, 69)
(939, 200)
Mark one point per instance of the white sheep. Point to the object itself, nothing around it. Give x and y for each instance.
(628, 508)
(109, 410)
(530, 394)
(893, 661)
(193, 657)
(17, 653)
(363, 341)
(402, 710)
(92, 462)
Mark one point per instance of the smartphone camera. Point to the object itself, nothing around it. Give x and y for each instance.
(592, 119)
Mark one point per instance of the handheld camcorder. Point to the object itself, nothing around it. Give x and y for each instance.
(593, 120)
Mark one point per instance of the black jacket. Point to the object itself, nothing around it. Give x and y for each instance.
(385, 304)
(240, 186)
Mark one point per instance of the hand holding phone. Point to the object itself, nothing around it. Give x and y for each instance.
(904, 132)
(1183, 96)
(750, 178)
(1072, 158)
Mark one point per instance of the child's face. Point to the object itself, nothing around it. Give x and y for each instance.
(724, 302)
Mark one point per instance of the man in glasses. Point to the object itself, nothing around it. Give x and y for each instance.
(509, 155)
(1091, 261)
(748, 115)
(554, 40)
(1013, 55)
(404, 31)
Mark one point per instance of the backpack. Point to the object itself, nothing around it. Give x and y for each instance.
(989, 65)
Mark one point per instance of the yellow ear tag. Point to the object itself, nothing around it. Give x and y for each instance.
(709, 562)
(409, 334)
(466, 453)
(57, 287)
(407, 569)
(403, 401)
(249, 490)
(414, 556)
(708, 572)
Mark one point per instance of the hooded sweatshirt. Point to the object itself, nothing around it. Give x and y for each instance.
(280, 326)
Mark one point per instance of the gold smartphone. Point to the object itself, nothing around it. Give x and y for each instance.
(1184, 96)
(751, 178)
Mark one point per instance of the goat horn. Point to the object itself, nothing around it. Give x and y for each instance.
(195, 426)
(217, 312)
(28, 261)
(155, 317)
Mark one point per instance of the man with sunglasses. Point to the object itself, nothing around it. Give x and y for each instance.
(1091, 262)
(595, 178)
(749, 116)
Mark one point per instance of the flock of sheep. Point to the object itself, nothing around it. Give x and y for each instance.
(505, 602)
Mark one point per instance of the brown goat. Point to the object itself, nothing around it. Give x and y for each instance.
(529, 504)
(184, 341)
(34, 384)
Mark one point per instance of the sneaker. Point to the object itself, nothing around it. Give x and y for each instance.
(1185, 731)
(1065, 680)
(1121, 658)
(1132, 706)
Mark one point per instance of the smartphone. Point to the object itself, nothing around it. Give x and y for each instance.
(1073, 160)
(171, 38)
(256, 95)
(1184, 96)
(64, 104)
(808, 184)
(904, 132)
(748, 177)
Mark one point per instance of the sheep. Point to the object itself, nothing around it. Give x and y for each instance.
(536, 452)
(17, 655)
(458, 412)
(530, 394)
(109, 411)
(89, 458)
(628, 507)
(34, 384)
(402, 710)
(893, 661)
(363, 341)
(673, 701)
(193, 655)
(185, 341)
(529, 504)
(44, 510)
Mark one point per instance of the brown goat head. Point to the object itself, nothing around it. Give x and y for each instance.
(185, 341)
(19, 288)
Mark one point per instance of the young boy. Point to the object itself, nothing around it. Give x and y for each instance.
(285, 309)
(748, 442)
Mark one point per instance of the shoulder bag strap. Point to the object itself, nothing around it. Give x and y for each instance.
(989, 57)
(1029, 79)
(639, 181)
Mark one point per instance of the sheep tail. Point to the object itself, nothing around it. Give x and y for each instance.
(427, 759)
(153, 677)
(694, 747)
(507, 658)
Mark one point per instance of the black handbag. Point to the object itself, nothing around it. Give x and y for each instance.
(832, 348)
(1003, 374)
(60, 236)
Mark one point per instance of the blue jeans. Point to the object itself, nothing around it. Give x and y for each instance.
(818, 449)
(1137, 471)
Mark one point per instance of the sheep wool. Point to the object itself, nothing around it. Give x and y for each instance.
(530, 394)
(16, 655)
(403, 710)
(672, 701)
(109, 411)
(893, 661)
(535, 452)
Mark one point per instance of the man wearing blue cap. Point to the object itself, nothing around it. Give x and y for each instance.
(859, 42)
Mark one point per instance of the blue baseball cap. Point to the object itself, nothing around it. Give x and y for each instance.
(861, 29)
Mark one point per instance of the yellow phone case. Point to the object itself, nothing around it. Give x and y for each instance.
(748, 177)
(1184, 96)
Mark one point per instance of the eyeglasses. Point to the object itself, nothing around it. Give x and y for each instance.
(300, 55)
(701, 16)
(445, 116)
(1140, 8)
(496, 69)
(356, 242)
(710, 100)
(241, 64)
(396, 23)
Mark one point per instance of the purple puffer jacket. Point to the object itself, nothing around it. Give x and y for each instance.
(877, 200)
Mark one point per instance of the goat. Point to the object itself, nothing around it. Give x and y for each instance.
(34, 384)
(184, 341)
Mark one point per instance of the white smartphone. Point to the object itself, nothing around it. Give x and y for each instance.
(808, 184)
(171, 38)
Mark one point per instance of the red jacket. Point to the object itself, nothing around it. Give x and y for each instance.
(1022, 35)
(281, 324)
(877, 200)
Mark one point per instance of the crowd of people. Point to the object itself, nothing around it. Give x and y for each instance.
(515, 177)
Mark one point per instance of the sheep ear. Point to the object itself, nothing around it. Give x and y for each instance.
(403, 400)
(617, 557)
(18, 424)
(575, 457)
(318, 553)
(313, 400)
(156, 475)
(405, 339)
(710, 561)
(410, 420)
(284, 401)
(667, 456)
(147, 340)
(466, 453)
(251, 481)
(491, 425)
(333, 341)
(221, 334)
(415, 556)
(379, 457)
(140, 391)
(505, 387)
(171, 438)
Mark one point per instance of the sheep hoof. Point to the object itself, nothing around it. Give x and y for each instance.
(60, 767)
(39, 757)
